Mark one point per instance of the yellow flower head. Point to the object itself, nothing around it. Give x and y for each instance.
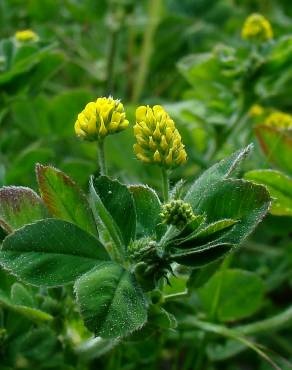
(26, 36)
(98, 119)
(257, 28)
(279, 119)
(158, 140)
(256, 110)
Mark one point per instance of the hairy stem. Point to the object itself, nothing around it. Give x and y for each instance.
(165, 184)
(101, 157)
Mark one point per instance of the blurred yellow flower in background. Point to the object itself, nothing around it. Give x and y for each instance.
(257, 28)
(26, 35)
(256, 110)
(279, 119)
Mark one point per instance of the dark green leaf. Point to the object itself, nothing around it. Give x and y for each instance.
(199, 277)
(111, 303)
(148, 207)
(50, 252)
(119, 203)
(228, 199)
(221, 170)
(235, 199)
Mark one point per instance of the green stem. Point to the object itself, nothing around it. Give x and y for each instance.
(201, 354)
(147, 47)
(165, 184)
(176, 295)
(273, 323)
(101, 157)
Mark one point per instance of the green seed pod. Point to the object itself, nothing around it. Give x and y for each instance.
(177, 213)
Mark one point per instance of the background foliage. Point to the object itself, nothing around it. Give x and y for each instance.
(188, 56)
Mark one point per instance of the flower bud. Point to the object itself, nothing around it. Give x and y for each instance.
(158, 140)
(280, 120)
(177, 213)
(257, 28)
(98, 119)
(26, 36)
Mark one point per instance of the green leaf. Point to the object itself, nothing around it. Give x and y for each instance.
(221, 170)
(119, 202)
(22, 170)
(50, 253)
(111, 303)
(201, 256)
(279, 186)
(234, 199)
(239, 200)
(21, 296)
(19, 206)
(277, 145)
(206, 233)
(199, 277)
(239, 293)
(148, 207)
(30, 313)
(103, 216)
(40, 346)
(64, 199)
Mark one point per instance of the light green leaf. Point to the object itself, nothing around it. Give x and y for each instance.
(279, 186)
(64, 199)
(239, 294)
(31, 313)
(19, 206)
(111, 303)
(50, 253)
(21, 296)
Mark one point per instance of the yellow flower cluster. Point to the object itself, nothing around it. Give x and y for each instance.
(257, 28)
(256, 110)
(158, 140)
(279, 119)
(98, 119)
(26, 35)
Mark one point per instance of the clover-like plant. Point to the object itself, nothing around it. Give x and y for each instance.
(119, 246)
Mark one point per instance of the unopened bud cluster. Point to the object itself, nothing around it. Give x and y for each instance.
(158, 140)
(142, 250)
(257, 28)
(177, 213)
(148, 265)
(98, 119)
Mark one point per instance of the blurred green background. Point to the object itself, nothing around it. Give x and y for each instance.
(138, 51)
